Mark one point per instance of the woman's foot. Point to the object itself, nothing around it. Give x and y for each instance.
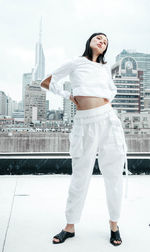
(68, 228)
(114, 228)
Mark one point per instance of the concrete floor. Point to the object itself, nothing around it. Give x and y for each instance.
(32, 212)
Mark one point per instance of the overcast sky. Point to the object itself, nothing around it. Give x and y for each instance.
(67, 24)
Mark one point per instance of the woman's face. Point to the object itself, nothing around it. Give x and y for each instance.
(99, 43)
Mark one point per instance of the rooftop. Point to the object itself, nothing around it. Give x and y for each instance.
(32, 212)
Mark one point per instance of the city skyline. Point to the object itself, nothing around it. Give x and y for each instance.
(65, 37)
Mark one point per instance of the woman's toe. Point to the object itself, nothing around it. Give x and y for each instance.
(54, 239)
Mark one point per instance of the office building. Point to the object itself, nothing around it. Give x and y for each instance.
(35, 103)
(68, 106)
(26, 80)
(3, 103)
(147, 100)
(143, 64)
(129, 82)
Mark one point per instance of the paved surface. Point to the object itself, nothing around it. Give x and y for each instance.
(32, 211)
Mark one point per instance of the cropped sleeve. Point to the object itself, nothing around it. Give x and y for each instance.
(59, 73)
(112, 86)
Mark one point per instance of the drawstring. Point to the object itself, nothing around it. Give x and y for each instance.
(126, 167)
(126, 170)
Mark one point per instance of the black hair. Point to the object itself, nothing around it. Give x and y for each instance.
(88, 50)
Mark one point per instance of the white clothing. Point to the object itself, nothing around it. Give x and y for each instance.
(88, 78)
(96, 130)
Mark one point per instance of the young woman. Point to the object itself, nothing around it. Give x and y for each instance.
(96, 128)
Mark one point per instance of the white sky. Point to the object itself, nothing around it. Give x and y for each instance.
(67, 24)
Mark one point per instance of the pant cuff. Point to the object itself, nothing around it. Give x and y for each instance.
(73, 221)
(114, 220)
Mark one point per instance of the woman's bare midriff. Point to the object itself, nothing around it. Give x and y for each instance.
(89, 102)
(82, 102)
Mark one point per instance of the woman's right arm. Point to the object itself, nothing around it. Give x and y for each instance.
(51, 82)
(46, 82)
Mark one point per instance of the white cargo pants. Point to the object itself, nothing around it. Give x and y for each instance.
(96, 130)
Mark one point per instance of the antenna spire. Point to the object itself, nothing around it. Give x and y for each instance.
(40, 33)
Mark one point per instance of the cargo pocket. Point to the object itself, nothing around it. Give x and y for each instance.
(76, 141)
(117, 131)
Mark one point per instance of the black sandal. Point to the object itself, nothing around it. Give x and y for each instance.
(63, 235)
(115, 236)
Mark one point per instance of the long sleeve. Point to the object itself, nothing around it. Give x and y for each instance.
(111, 83)
(55, 86)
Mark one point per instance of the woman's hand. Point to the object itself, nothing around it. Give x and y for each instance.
(73, 100)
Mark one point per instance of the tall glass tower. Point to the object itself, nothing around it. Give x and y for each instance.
(39, 69)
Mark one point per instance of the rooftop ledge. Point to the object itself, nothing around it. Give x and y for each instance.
(130, 155)
(60, 163)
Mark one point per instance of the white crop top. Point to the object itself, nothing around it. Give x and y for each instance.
(88, 78)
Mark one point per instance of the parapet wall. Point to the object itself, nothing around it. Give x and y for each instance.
(57, 142)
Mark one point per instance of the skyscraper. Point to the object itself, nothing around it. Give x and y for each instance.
(143, 63)
(129, 82)
(9, 106)
(35, 103)
(68, 106)
(39, 69)
(26, 80)
(3, 103)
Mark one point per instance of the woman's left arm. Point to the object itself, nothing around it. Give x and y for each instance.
(111, 83)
